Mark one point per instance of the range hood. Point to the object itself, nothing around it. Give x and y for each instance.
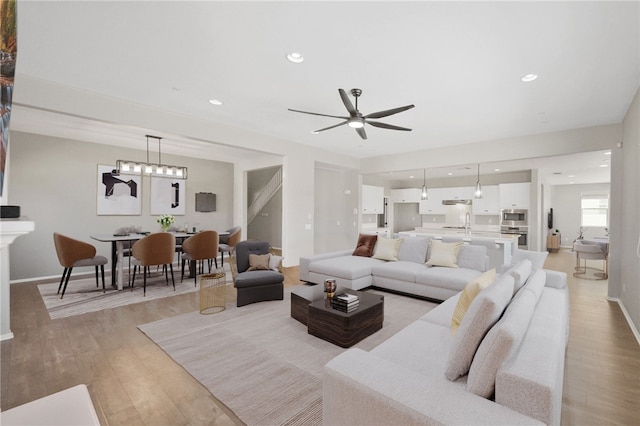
(456, 202)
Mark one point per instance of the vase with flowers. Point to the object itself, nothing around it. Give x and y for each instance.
(165, 221)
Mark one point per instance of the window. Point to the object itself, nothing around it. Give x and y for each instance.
(595, 210)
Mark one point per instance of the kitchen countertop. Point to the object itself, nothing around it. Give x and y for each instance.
(473, 233)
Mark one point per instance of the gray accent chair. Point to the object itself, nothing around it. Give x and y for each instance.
(255, 286)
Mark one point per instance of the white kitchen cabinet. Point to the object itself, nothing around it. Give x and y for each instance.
(489, 204)
(515, 195)
(458, 193)
(380, 232)
(433, 205)
(407, 195)
(372, 199)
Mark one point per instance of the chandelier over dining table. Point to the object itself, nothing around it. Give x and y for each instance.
(153, 169)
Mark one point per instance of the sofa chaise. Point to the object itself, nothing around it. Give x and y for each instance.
(503, 365)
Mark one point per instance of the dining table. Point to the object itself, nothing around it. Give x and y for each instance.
(117, 250)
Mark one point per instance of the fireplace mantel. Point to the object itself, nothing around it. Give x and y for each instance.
(10, 229)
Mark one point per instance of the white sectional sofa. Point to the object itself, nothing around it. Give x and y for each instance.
(504, 365)
(409, 274)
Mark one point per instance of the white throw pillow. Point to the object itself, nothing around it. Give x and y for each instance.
(387, 249)
(275, 262)
(500, 343)
(469, 293)
(444, 254)
(483, 313)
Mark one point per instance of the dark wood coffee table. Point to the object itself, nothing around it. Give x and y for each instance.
(340, 328)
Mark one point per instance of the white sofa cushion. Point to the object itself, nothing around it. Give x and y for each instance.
(449, 278)
(414, 249)
(403, 271)
(387, 249)
(482, 314)
(348, 267)
(500, 343)
(536, 283)
(443, 254)
(472, 257)
(520, 273)
(413, 348)
(536, 258)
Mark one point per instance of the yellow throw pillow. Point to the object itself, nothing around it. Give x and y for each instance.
(259, 262)
(471, 290)
(387, 249)
(444, 254)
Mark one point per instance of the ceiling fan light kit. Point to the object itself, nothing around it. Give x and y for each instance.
(356, 120)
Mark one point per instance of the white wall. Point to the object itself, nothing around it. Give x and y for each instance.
(565, 201)
(336, 197)
(624, 276)
(54, 181)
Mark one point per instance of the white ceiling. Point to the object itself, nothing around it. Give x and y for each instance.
(460, 63)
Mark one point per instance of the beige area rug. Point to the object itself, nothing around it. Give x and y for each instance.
(83, 296)
(260, 362)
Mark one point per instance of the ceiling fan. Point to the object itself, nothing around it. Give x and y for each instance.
(356, 120)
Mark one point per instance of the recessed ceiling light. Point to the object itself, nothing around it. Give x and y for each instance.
(604, 165)
(496, 170)
(607, 153)
(450, 174)
(572, 176)
(295, 57)
(529, 78)
(411, 177)
(215, 102)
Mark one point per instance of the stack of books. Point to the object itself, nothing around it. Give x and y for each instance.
(345, 302)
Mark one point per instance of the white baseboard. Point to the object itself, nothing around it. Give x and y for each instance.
(7, 336)
(634, 330)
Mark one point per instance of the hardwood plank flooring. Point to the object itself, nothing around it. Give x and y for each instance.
(133, 382)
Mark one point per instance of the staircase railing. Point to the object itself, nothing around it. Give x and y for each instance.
(270, 189)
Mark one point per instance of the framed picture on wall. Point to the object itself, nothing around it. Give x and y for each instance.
(168, 196)
(118, 195)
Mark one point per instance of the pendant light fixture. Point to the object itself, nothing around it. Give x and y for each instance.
(424, 195)
(478, 193)
(153, 169)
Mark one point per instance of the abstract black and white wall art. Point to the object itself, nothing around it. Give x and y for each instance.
(118, 195)
(168, 196)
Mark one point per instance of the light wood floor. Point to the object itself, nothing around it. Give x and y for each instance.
(133, 382)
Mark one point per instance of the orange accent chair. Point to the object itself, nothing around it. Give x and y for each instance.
(201, 246)
(152, 250)
(75, 253)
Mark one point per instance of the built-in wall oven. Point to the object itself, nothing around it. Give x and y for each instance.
(514, 217)
(522, 231)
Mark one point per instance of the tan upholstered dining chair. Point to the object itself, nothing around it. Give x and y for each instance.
(152, 250)
(199, 247)
(75, 253)
(229, 242)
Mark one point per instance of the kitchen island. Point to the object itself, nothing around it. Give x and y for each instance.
(500, 247)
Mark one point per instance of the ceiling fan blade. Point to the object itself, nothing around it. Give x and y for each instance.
(361, 132)
(347, 103)
(331, 127)
(387, 126)
(388, 112)
(315, 113)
